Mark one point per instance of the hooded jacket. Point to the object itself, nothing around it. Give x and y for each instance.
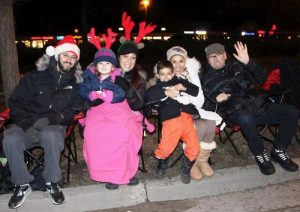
(46, 92)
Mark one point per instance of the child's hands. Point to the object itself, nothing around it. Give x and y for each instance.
(96, 95)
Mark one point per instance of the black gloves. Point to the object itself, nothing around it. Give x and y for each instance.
(123, 83)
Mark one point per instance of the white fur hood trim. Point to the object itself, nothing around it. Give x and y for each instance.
(43, 63)
(193, 66)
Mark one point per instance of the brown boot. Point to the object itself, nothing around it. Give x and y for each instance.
(203, 165)
(203, 157)
(196, 173)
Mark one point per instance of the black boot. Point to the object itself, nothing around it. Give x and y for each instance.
(161, 168)
(264, 163)
(186, 168)
(280, 156)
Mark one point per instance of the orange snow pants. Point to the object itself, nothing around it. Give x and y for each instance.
(174, 130)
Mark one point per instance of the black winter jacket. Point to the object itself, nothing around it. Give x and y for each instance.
(46, 92)
(170, 108)
(236, 79)
(135, 87)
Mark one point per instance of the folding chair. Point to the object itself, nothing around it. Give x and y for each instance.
(152, 111)
(70, 143)
(34, 156)
(229, 130)
(141, 153)
(279, 90)
(290, 78)
(272, 80)
(5, 184)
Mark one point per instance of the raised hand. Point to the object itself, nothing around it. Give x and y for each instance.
(242, 52)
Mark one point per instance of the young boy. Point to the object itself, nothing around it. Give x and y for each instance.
(176, 118)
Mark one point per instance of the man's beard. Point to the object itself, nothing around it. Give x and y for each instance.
(61, 67)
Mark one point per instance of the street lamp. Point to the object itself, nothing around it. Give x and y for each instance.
(146, 4)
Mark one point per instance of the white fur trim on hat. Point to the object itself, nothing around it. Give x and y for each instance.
(208, 146)
(67, 47)
(50, 51)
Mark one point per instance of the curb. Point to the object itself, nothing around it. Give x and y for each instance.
(96, 197)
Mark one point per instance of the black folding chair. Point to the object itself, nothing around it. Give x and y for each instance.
(34, 156)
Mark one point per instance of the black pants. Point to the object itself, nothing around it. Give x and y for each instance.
(284, 115)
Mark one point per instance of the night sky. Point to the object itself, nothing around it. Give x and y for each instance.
(40, 17)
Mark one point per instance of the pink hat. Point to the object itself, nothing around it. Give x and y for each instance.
(67, 44)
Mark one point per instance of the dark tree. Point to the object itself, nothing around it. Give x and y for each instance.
(8, 49)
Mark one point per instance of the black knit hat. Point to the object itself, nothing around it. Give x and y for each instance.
(128, 47)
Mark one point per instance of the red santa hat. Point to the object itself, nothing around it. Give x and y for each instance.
(67, 44)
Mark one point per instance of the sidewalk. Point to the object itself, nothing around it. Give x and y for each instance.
(96, 197)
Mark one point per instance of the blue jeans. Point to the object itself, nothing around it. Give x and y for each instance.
(284, 115)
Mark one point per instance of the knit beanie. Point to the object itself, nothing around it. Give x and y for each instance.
(67, 44)
(176, 50)
(128, 47)
(106, 55)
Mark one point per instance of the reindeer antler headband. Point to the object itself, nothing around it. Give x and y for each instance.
(109, 40)
(128, 25)
(103, 53)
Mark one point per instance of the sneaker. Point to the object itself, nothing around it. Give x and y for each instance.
(55, 192)
(111, 186)
(265, 165)
(284, 160)
(21, 192)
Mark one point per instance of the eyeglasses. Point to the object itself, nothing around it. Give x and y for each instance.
(213, 56)
(67, 56)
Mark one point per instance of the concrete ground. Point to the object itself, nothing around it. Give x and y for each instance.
(236, 186)
(231, 189)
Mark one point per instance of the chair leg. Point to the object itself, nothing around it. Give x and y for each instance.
(72, 154)
(264, 129)
(228, 137)
(296, 136)
(177, 159)
(70, 146)
(143, 168)
(141, 153)
(33, 161)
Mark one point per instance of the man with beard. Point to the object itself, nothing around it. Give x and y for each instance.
(42, 105)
